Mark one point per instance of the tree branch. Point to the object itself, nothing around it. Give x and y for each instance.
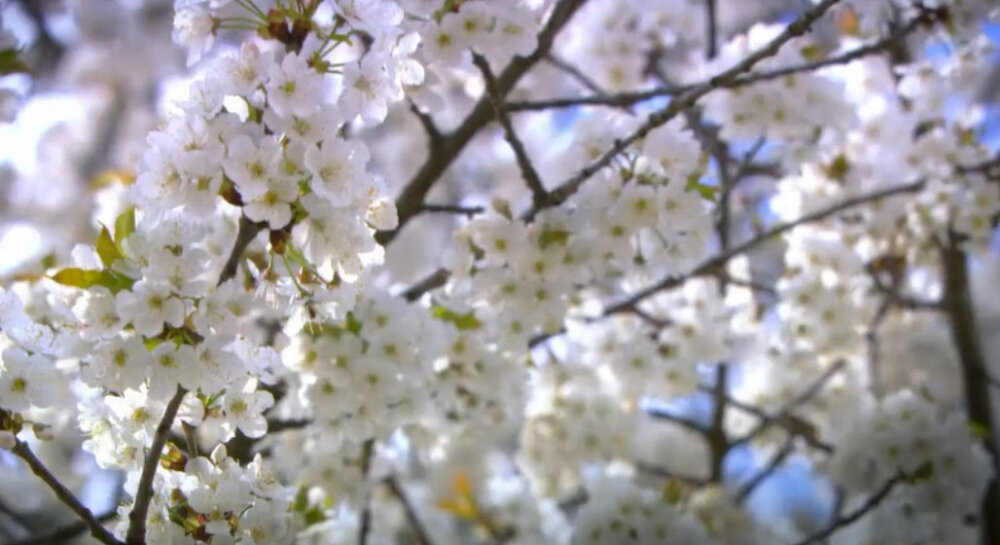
(718, 441)
(661, 414)
(767, 471)
(712, 28)
(245, 234)
(793, 425)
(365, 524)
(434, 135)
(100, 533)
(630, 98)
(528, 172)
(684, 101)
(664, 473)
(855, 515)
(957, 302)
(786, 410)
(411, 199)
(136, 534)
(66, 533)
(722, 258)
(432, 281)
(411, 515)
(453, 209)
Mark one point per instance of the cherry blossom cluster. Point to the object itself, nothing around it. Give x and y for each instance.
(782, 246)
(942, 469)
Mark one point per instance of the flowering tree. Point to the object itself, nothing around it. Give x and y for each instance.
(524, 272)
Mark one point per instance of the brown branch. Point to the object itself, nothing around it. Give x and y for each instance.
(875, 349)
(18, 519)
(665, 473)
(100, 533)
(576, 73)
(767, 471)
(274, 426)
(687, 423)
(365, 524)
(434, 135)
(453, 209)
(524, 164)
(245, 234)
(411, 199)
(789, 407)
(792, 425)
(684, 101)
(850, 518)
(432, 281)
(718, 442)
(712, 28)
(957, 302)
(66, 533)
(136, 534)
(722, 258)
(411, 515)
(630, 98)
(895, 298)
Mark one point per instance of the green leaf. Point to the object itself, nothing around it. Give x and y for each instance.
(77, 278)
(124, 225)
(301, 501)
(106, 248)
(707, 192)
(314, 515)
(978, 430)
(83, 279)
(11, 63)
(462, 321)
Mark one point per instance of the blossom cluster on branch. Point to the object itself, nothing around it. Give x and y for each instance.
(641, 210)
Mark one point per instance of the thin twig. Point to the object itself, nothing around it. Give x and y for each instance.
(432, 281)
(767, 471)
(411, 514)
(792, 425)
(100, 533)
(275, 425)
(245, 234)
(434, 135)
(365, 524)
(665, 473)
(662, 414)
(524, 164)
(894, 298)
(575, 72)
(191, 439)
(789, 407)
(453, 209)
(875, 350)
(18, 518)
(718, 442)
(411, 199)
(686, 100)
(136, 534)
(722, 258)
(855, 515)
(712, 30)
(66, 533)
(630, 98)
